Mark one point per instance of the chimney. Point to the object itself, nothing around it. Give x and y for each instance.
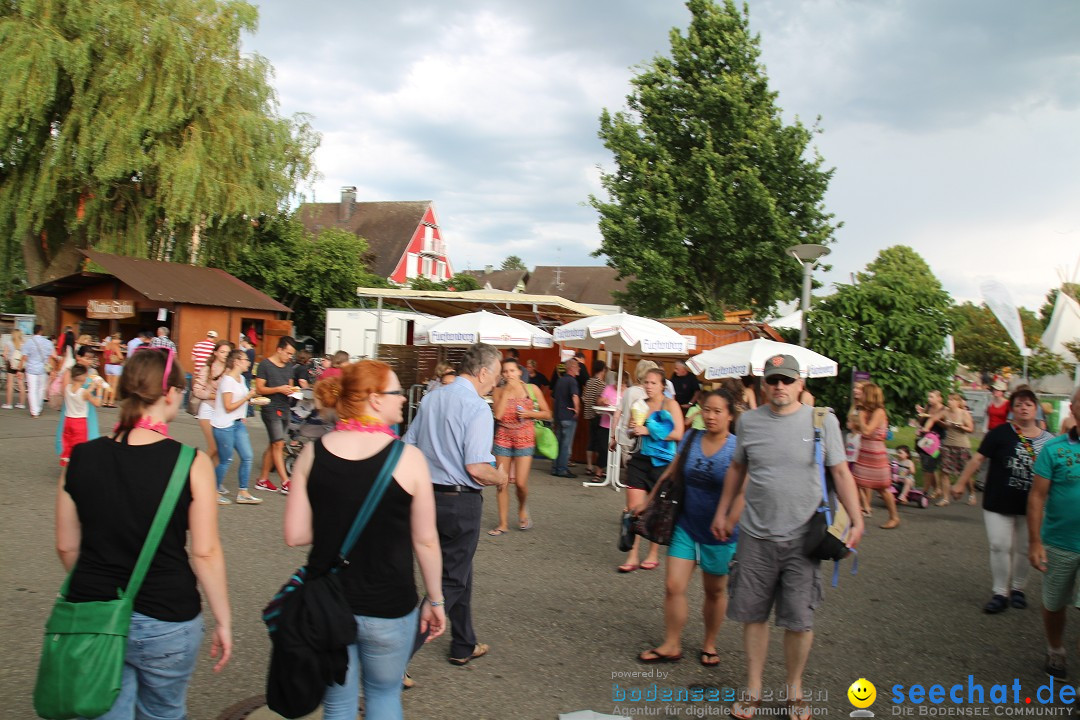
(348, 200)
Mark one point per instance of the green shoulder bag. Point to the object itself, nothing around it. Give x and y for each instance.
(546, 442)
(82, 659)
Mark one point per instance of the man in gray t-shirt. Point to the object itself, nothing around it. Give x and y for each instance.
(775, 446)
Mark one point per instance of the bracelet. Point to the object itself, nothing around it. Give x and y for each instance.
(437, 603)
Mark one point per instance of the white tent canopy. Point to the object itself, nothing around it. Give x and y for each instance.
(621, 333)
(1064, 327)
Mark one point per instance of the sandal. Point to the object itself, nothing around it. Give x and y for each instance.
(972, 500)
(497, 532)
(799, 710)
(628, 568)
(649, 565)
(941, 503)
(745, 709)
(658, 658)
(479, 650)
(526, 525)
(895, 522)
(708, 659)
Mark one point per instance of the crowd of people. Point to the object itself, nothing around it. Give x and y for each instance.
(744, 453)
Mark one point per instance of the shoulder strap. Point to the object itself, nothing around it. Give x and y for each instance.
(371, 501)
(680, 469)
(819, 461)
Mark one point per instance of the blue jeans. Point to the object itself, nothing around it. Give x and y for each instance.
(234, 436)
(379, 655)
(160, 659)
(564, 431)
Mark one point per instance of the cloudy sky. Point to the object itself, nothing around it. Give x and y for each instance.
(953, 126)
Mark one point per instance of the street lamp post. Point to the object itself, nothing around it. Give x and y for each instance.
(807, 255)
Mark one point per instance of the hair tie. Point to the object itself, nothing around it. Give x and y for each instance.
(335, 390)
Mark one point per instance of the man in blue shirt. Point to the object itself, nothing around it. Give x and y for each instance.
(454, 429)
(1054, 537)
(567, 409)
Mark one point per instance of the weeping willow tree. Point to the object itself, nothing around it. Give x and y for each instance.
(137, 127)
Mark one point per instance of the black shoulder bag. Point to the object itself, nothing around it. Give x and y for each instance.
(310, 622)
(656, 523)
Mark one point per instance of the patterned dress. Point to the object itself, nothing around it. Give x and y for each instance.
(512, 432)
(871, 468)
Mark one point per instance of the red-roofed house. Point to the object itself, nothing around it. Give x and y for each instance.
(403, 237)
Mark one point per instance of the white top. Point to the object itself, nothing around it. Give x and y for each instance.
(74, 402)
(237, 388)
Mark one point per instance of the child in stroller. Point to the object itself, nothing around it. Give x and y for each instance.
(903, 484)
(305, 425)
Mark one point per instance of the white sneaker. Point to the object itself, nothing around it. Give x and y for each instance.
(223, 491)
(222, 500)
(5, 407)
(247, 500)
(20, 406)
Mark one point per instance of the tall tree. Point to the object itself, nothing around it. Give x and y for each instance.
(137, 126)
(891, 323)
(710, 185)
(513, 262)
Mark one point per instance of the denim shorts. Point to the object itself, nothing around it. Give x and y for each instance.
(157, 668)
(276, 422)
(713, 559)
(499, 451)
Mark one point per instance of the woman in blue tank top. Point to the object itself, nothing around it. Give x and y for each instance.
(704, 457)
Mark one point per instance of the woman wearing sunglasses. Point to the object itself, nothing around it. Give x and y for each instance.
(104, 509)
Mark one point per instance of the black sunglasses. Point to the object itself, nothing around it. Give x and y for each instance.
(392, 392)
(777, 379)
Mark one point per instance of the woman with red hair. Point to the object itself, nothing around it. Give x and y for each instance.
(330, 482)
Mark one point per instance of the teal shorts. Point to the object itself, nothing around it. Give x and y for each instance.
(713, 559)
(1060, 579)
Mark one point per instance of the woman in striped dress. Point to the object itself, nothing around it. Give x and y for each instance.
(871, 468)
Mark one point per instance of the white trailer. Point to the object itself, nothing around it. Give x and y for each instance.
(354, 329)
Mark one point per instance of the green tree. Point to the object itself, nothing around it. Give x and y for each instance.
(708, 182)
(891, 323)
(513, 262)
(138, 127)
(309, 274)
(460, 282)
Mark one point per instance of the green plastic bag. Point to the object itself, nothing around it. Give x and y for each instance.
(82, 658)
(546, 442)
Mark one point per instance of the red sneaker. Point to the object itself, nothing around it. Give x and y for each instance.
(266, 485)
(284, 489)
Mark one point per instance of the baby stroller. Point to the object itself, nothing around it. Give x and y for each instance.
(915, 496)
(305, 425)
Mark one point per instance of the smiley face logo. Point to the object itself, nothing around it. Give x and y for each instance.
(862, 693)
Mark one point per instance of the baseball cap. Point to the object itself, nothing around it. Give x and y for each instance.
(211, 333)
(784, 365)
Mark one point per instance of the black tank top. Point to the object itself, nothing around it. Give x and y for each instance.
(378, 581)
(117, 489)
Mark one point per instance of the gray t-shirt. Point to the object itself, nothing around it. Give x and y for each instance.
(275, 376)
(782, 485)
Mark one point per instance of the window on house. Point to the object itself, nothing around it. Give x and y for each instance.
(412, 265)
(426, 272)
(429, 239)
(441, 270)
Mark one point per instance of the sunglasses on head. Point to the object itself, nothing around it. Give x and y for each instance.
(777, 379)
(168, 364)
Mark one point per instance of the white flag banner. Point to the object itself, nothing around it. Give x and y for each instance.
(1000, 302)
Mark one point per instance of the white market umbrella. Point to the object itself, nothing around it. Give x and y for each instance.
(621, 333)
(625, 334)
(748, 358)
(483, 327)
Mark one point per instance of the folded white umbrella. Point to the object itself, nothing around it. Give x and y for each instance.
(483, 327)
(748, 358)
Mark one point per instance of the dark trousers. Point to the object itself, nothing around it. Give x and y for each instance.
(457, 516)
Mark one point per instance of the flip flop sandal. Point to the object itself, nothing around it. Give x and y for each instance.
(745, 709)
(628, 568)
(497, 532)
(657, 658)
(649, 565)
(710, 657)
(527, 525)
(799, 710)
